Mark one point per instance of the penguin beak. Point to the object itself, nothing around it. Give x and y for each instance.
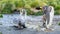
(40, 7)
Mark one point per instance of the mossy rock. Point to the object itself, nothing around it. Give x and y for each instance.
(59, 23)
(0, 32)
(1, 15)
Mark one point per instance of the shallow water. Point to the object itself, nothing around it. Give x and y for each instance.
(7, 21)
(11, 30)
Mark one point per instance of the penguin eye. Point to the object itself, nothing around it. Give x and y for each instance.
(44, 8)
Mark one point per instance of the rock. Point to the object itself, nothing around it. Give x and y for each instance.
(48, 30)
